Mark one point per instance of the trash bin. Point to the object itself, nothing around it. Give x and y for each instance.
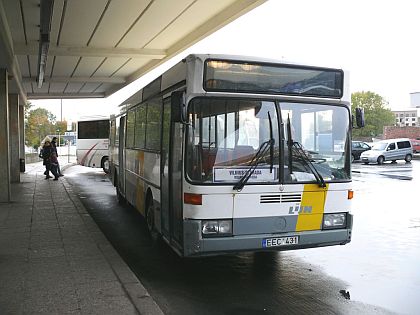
(22, 165)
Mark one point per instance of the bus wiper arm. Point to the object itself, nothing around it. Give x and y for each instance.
(265, 146)
(290, 145)
(305, 158)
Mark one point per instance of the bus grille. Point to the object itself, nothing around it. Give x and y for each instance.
(280, 198)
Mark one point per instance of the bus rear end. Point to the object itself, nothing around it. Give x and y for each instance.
(92, 143)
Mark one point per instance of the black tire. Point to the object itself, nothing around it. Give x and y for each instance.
(150, 221)
(352, 158)
(408, 158)
(105, 164)
(381, 160)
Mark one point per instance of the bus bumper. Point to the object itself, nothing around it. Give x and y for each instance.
(198, 246)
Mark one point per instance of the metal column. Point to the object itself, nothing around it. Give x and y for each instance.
(5, 193)
(22, 133)
(14, 138)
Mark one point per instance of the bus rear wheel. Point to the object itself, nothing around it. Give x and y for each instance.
(150, 220)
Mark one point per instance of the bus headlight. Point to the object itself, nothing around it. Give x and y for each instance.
(215, 228)
(334, 221)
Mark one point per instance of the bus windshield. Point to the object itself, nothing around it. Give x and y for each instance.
(226, 134)
(320, 137)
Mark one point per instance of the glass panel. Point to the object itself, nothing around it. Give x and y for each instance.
(154, 112)
(225, 136)
(131, 118)
(222, 75)
(321, 132)
(140, 126)
(103, 129)
(97, 129)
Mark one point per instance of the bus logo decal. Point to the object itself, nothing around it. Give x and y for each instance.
(300, 209)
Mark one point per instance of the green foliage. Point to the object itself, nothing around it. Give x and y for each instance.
(27, 107)
(40, 123)
(377, 115)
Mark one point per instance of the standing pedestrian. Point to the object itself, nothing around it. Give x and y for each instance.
(54, 145)
(54, 165)
(47, 149)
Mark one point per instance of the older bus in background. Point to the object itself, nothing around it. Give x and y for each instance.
(92, 142)
(227, 153)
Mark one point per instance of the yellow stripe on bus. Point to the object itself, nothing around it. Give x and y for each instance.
(313, 198)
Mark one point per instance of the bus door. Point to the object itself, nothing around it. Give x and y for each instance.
(171, 178)
(121, 156)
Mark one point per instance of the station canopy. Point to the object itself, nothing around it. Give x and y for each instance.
(93, 48)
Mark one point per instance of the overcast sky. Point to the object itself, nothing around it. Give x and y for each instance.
(377, 41)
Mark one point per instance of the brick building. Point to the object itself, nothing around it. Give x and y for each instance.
(391, 132)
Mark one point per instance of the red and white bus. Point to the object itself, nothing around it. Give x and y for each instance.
(92, 142)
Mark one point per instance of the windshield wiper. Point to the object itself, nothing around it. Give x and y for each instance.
(265, 146)
(303, 156)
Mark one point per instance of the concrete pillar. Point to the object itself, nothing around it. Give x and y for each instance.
(5, 191)
(14, 138)
(22, 131)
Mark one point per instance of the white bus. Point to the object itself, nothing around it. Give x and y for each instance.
(226, 153)
(92, 142)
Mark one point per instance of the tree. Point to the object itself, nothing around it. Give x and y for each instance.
(60, 128)
(377, 115)
(27, 107)
(40, 123)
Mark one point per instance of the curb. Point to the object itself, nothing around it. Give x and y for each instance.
(134, 289)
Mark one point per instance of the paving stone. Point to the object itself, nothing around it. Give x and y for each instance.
(55, 260)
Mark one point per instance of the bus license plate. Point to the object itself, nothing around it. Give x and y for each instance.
(280, 241)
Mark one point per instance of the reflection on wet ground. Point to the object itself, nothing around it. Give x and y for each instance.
(247, 283)
(382, 263)
(379, 267)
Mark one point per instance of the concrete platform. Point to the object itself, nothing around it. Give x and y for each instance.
(55, 260)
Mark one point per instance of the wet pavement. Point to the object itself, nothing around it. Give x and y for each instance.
(377, 273)
(381, 265)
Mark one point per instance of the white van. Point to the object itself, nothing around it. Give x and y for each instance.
(388, 150)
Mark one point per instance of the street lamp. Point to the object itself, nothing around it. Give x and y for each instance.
(58, 132)
(39, 134)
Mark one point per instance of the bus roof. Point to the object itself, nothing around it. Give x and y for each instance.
(93, 117)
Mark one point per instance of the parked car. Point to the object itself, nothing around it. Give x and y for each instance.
(388, 150)
(416, 145)
(357, 148)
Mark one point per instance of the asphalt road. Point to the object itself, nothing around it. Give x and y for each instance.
(378, 271)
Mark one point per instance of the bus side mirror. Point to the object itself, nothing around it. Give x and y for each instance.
(360, 117)
(178, 108)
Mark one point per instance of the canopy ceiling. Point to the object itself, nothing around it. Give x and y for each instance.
(92, 48)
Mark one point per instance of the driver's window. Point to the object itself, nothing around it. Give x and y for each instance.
(391, 147)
